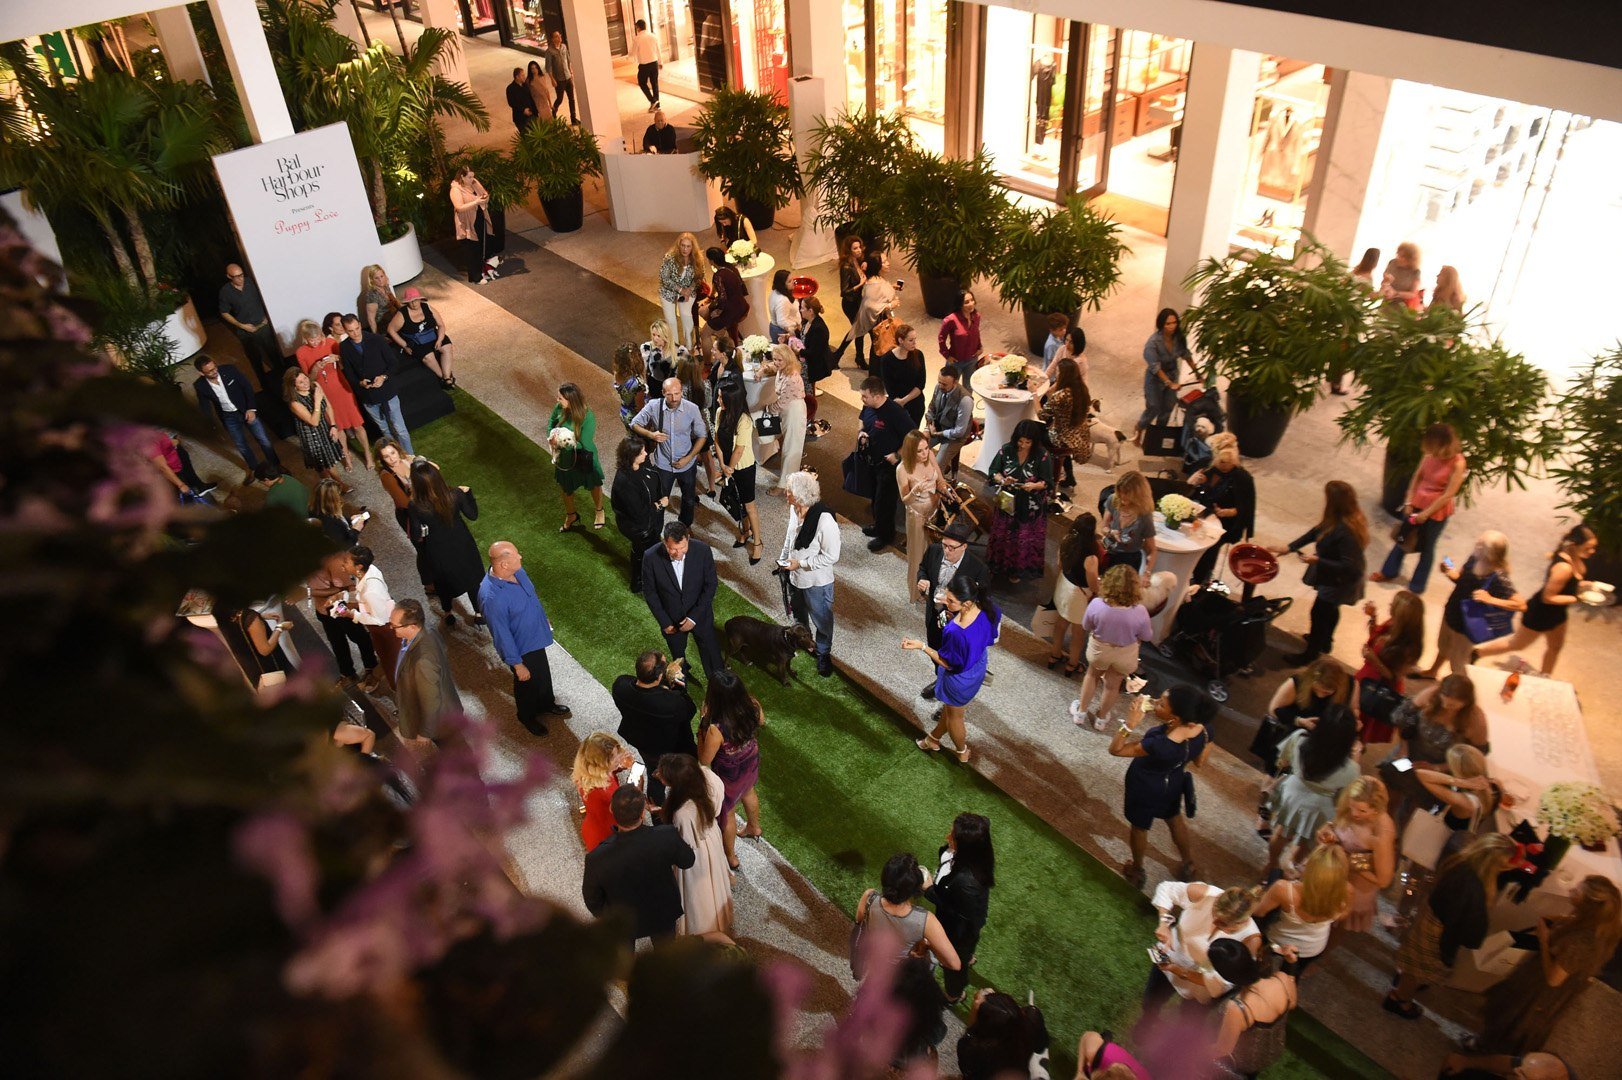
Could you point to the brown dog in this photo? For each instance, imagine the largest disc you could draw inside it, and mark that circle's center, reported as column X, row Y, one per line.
column 767, row 646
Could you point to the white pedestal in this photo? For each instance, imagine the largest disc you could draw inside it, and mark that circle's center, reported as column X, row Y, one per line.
column 402, row 258
column 657, row 193
column 1177, row 552
column 758, row 278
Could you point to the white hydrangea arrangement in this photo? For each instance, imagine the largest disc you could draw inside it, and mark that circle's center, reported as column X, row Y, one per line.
column 742, row 253
column 1178, row 509
column 755, row 347
column 1014, row 373
column 1579, row 812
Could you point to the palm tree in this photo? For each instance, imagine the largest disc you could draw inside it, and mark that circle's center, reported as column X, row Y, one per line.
column 116, row 146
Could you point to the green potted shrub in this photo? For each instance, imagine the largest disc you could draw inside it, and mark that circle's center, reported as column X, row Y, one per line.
column 556, row 157
column 1274, row 328
column 947, row 214
column 1586, row 456
column 851, row 161
column 746, row 146
column 1419, row 369
column 1058, row 259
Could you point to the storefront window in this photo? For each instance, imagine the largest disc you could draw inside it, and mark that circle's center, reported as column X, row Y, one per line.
column 766, row 58
column 528, row 24
column 897, row 49
column 1286, row 126
column 1025, row 96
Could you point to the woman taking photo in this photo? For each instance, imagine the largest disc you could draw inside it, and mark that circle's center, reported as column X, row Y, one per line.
column 1254, row 1012
column 317, row 356
column 692, row 796
column 1483, row 579
column 1066, row 409
column 1428, row 504
column 735, row 441
column 902, row 369
column 596, row 765
column 959, row 338
column 961, row 660
column 1116, row 622
column 1335, row 569
column 1368, row 836
column 962, row 893
column 1081, row 557
column 319, row 438
column 377, row 300
column 852, row 277
column 726, row 743
column 639, row 508
column 783, row 309
column 1522, row 1011
column 416, row 332
column 791, row 397
column 892, row 911
column 1157, row 781
column 1228, row 492
column 1023, row 472
column 1454, row 917
column 819, row 362
column 1307, row 909
column 679, row 277
column 436, row 516
column 1547, row 609
column 1389, row 656
column 1163, row 355
column 571, row 413
column 918, row 477
column 1129, row 525
column 1316, row 763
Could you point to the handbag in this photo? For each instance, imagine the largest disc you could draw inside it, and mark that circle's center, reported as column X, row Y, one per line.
column 854, row 948
column 884, row 334
column 1425, row 838
column 1406, row 536
column 1265, row 743
column 567, row 458
column 1006, row 501
column 1485, row 622
column 859, row 477
column 1377, row 700
column 731, row 501
column 768, row 425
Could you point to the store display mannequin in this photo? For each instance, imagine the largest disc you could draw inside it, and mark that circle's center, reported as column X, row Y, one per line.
column 1043, row 74
column 1281, row 150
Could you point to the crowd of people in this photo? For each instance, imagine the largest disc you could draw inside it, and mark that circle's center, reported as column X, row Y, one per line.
column 1353, row 755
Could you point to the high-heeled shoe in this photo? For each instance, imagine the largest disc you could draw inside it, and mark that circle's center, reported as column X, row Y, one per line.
column 928, row 745
column 1054, row 661
column 760, row 550
column 962, row 754
column 570, row 521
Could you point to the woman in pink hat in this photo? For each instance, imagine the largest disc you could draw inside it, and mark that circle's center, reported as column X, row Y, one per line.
column 421, row 336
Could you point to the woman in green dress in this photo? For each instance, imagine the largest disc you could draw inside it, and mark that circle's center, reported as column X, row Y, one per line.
column 577, row 466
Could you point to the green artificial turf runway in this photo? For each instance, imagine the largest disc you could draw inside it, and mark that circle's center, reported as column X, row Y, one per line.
column 842, row 787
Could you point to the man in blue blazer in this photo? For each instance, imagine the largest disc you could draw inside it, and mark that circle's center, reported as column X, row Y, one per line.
column 224, row 394
column 678, row 582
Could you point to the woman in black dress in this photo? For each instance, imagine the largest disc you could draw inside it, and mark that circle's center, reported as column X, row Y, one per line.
column 258, row 645
column 1158, row 787
column 815, row 356
column 1228, row 491
column 436, row 514
column 1547, row 609
column 417, row 332
column 852, row 278
column 1335, row 569
column 962, row 893
column 639, row 509
column 902, row 370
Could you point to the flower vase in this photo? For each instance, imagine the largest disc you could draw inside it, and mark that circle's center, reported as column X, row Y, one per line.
column 1554, row 849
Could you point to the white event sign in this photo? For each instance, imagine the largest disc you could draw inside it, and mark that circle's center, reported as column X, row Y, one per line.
column 301, row 213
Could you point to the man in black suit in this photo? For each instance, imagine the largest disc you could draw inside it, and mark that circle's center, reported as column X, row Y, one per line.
column 656, row 715
column 225, row 394
column 942, row 561
column 678, row 581
column 631, row 869
column 371, row 365
column 884, row 424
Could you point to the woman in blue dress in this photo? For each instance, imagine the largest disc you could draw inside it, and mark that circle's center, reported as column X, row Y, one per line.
column 1158, row 785
column 969, row 633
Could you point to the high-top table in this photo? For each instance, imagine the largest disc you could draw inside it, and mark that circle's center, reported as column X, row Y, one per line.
column 1005, row 406
column 758, row 277
column 1178, row 551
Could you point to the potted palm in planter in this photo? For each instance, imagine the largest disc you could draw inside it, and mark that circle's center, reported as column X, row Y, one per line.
column 557, row 157
column 947, row 213
column 1419, row 369
column 1059, row 259
column 851, row 161
column 1274, row 328
column 746, row 146
column 1586, row 456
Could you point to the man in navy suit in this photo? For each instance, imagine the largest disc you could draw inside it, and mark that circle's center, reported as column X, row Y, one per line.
column 678, row 581
column 224, row 393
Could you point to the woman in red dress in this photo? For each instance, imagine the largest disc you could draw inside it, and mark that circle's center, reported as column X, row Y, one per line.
column 317, row 356
column 1391, row 655
column 596, row 764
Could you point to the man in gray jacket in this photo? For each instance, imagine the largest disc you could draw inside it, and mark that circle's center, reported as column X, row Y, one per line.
column 423, row 687
column 949, row 417
column 557, row 63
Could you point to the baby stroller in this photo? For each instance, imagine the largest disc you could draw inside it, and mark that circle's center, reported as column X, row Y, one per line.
column 1219, row 636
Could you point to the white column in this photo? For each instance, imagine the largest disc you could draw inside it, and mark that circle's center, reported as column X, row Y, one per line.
column 243, row 37
column 178, row 41
column 816, row 30
column 442, row 14
column 585, row 31
column 1210, row 162
column 1346, row 155
column 809, row 99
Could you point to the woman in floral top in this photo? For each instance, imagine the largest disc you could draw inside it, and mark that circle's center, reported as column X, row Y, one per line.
column 679, row 278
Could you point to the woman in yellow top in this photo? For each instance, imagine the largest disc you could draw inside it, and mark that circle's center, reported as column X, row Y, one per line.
column 735, row 439
column 579, row 468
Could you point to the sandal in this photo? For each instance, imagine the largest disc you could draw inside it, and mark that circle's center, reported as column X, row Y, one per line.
column 962, row 755
column 569, row 522
column 1053, row 661
column 1070, row 670
column 928, row 745
column 756, row 835
column 599, row 521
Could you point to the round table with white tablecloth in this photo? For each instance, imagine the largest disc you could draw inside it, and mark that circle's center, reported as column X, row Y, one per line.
column 1005, row 407
column 757, row 277
column 1178, row 551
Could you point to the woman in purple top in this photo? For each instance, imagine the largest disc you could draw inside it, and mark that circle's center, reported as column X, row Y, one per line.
column 726, row 743
column 966, row 637
column 1115, row 621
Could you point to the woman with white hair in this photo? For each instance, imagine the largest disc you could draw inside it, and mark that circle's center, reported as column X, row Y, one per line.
column 785, row 364
column 1229, row 493
column 810, row 550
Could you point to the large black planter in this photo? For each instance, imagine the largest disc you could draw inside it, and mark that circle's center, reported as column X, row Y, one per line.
column 567, row 213
column 1036, row 327
column 940, row 294
column 1259, row 430
column 760, row 215
column 1395, row 473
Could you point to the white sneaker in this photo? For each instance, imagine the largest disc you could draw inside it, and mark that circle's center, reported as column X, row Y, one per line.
column 1101, row 723
column 1081, row 717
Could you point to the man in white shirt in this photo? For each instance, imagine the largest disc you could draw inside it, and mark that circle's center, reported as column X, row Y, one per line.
column 1192, row 915
column 646, row 47
column 372, row 609
column 810, row 550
